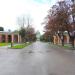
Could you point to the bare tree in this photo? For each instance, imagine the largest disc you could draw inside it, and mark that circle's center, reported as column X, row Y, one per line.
column 26, row 31
column 21, row 21
column 24, row 20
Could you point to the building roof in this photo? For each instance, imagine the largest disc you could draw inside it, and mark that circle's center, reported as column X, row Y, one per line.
column 3, row 32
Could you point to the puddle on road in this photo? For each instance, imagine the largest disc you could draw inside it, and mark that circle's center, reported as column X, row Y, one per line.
column 30, row 52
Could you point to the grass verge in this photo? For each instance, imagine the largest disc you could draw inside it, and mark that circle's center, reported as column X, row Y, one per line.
column 20, row 46
column 66, row 46
column 4, row 44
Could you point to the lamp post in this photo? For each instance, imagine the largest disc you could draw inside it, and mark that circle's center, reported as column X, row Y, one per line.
column 49, row 38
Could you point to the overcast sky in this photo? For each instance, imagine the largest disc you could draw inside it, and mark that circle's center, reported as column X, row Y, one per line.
column 11, row 9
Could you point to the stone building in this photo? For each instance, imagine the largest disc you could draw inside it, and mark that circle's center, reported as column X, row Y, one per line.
column 10, row 37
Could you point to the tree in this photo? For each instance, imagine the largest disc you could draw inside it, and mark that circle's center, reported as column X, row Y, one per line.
column 27, row 33
column 22, row 32
column 21, row 21
column 30, row 34
column 1, row 29
column 57, row 20
column 24, row 20
column 62, row 19
column 72, row 30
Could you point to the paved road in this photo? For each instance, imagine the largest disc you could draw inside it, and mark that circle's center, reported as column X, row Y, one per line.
column 37, row 59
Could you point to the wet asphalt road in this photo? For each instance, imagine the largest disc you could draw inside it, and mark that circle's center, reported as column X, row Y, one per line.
column 37, row 59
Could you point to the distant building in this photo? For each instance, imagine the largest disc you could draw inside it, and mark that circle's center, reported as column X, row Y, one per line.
column 38, row 35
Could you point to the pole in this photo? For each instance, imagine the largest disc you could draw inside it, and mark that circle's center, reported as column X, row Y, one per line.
column 49, row 38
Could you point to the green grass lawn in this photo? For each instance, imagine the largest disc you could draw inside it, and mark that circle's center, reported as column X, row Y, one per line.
column 4, row 44
column 66, row 46
column 20, row 46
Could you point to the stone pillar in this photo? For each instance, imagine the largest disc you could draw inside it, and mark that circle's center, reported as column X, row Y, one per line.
column 18, row 38
column 6, row 38
column 67, row 39
column 54, row 39
column 12, row 38
column 0, row 37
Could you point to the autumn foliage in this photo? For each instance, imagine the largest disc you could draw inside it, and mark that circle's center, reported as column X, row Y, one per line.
column 61, row 17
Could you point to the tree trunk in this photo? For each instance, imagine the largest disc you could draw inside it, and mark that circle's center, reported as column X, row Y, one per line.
column 72, row 42
column 72, row 39
column 63, row 41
